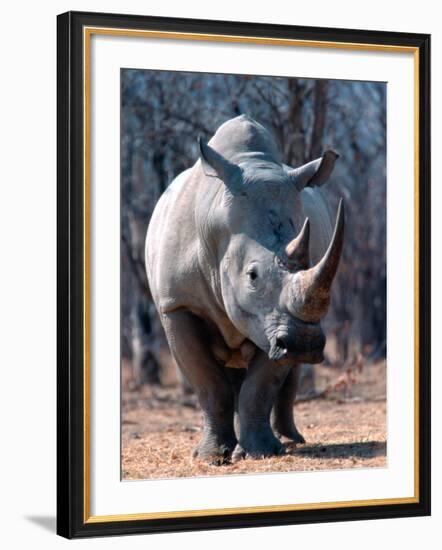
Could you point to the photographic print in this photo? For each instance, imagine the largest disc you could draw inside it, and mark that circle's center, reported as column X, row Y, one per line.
column 253, row 274
column 243, row 274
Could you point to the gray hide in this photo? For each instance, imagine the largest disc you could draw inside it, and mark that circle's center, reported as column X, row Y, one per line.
column 241, row 280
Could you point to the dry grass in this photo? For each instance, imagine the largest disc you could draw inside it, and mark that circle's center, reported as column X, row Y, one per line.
column 345, row 430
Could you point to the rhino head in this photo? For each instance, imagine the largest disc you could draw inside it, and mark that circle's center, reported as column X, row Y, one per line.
column 270, row 290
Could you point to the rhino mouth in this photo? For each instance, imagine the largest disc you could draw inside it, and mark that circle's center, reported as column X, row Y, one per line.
column 303, row 346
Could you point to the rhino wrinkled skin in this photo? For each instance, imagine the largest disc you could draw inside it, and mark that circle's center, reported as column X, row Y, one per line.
column 241, row 287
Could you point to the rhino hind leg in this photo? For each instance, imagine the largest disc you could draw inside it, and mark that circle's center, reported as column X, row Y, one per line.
column 256, row 398
column 188, row 342
column 236, row 378
column 283, row 422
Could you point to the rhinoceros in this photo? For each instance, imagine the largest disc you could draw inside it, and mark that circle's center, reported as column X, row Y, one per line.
column 241, row 287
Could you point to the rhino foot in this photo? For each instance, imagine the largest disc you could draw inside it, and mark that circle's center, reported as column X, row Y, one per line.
column 214, row 453
column 258, row 445
column 292, row 434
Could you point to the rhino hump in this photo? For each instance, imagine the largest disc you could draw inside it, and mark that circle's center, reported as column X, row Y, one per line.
column 243, row 137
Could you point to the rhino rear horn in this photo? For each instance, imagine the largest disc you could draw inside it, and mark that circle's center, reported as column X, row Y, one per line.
column 297, row 251
column 215, row 165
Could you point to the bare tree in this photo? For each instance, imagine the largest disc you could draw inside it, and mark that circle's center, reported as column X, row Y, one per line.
column 162, row 115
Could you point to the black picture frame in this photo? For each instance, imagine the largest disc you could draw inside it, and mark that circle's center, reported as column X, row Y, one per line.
column 72, row 521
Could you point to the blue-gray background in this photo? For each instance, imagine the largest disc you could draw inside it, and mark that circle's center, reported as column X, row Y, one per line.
column 162, row 114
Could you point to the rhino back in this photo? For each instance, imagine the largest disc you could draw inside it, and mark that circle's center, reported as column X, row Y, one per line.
column 174, row 269
column 170, row 243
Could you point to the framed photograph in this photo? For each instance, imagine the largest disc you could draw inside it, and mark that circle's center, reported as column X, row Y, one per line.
column 243, row 274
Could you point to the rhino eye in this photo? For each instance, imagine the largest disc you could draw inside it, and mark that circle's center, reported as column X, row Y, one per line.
column 252, row 274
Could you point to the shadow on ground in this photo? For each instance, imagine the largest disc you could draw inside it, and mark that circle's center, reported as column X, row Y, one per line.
column 365, row 449
column 49, row 523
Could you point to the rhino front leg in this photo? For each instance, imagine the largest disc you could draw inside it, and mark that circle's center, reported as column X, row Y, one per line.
column 189, row 344
column 283, row 422
column 256, row 399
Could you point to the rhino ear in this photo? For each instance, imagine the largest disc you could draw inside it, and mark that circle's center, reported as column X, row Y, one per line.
column 215, row 165
column 314, row 173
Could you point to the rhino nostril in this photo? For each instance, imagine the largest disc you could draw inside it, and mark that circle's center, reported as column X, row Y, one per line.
column 278, row 349
column 281, row 345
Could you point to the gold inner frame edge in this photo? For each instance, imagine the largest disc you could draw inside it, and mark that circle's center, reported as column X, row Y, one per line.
column 87, row 33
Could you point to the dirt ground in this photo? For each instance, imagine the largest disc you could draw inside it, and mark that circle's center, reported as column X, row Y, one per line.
column 344, row 425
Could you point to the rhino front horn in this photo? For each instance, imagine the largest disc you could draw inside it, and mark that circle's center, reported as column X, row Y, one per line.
column 310, row 292
column 323, row 272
